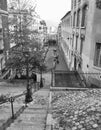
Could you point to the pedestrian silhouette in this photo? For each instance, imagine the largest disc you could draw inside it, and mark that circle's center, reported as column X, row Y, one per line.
column 34, row 77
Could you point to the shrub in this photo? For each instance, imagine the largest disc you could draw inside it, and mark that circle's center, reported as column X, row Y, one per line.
column 3, row 98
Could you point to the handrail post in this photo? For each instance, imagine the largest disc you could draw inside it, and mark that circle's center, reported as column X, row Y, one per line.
column 12, row 100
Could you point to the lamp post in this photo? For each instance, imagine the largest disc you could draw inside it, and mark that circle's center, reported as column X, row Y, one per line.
column 41, row 81
column 28, row 97
column 42, row 69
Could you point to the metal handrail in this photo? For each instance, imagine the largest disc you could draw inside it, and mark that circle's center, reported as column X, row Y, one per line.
column 13, row 98
column 85, row 77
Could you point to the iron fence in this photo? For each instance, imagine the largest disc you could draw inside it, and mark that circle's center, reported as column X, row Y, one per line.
column 12, row 99
column 91, row 79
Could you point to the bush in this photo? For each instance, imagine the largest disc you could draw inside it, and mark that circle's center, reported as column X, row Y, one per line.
column 3, row 98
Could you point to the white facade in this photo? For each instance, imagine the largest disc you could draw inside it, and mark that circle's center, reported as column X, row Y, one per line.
column 86, row 37
column 66, row 43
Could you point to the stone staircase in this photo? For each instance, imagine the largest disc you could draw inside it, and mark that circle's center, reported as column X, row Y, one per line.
column 69, row 79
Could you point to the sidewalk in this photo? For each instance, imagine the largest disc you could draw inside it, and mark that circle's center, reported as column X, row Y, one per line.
column 62, row 66
column 35, row 115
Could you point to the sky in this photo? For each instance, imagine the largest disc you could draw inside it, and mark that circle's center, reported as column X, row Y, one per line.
column 52, row 10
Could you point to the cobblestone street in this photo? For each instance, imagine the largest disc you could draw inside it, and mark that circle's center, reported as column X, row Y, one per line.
column 77, row 110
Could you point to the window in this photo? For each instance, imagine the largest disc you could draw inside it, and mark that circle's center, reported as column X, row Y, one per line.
column 84, row 16
column 72, row 40
column 81, row 46
column 40, row 28
column 74, row 19
column 74, row 2
column 76, row 42
column 0, row 30
column 79, row 0
column 71, row 21
column 78, row 18
column 97, row 61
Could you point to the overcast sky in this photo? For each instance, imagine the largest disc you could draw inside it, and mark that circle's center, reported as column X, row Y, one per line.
column 53, row 10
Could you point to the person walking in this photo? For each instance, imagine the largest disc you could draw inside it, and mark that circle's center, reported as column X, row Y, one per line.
column 34, row 77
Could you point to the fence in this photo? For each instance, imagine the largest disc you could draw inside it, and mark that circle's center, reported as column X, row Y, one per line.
column 12, row 100
column 91, row 79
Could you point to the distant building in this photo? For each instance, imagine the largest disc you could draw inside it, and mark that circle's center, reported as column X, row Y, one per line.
column 41, row 29
column 86, row 36
column 64, row 37
column 21, row 16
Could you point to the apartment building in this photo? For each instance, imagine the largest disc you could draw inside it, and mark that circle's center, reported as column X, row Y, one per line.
column 66, row 38
column 41, row 28
column 4, row 42
column 86, row 39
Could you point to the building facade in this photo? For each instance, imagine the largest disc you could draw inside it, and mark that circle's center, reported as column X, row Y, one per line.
column 64, row 38
column 41, row 28
column 86, row 39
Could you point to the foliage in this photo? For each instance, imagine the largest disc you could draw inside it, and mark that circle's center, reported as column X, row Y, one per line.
column 21, row 18
column 22, row 35
column 3, row 98
column 18, row 61
column 98, row 4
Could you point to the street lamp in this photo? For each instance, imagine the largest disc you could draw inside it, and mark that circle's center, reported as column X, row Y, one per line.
column 41, row 81
column 28, row 97
column 42, row 68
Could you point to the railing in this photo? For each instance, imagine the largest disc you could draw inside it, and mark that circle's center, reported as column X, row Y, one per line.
column 11, row 118
column 91, row 79
column 13, row 98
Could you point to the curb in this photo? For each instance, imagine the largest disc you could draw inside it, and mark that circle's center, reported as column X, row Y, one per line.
column 49, row 115
column 49, row 122
column 67, row 89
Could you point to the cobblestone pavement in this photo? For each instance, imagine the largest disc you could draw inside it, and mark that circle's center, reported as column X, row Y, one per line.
column 77, row 110
column 34, row 116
